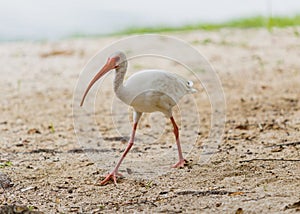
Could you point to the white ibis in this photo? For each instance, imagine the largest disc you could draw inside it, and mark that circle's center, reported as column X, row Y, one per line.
column 145, row 91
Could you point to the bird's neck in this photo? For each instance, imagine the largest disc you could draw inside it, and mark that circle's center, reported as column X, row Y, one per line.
column 119, row 78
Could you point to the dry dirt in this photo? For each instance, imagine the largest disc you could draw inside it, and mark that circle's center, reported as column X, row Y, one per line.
column 256, row 168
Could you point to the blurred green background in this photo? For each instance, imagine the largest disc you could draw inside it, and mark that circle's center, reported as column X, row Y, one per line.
column 52, row 20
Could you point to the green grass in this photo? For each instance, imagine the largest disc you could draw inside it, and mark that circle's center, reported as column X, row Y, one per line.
column 251, row 22
column 5, row 164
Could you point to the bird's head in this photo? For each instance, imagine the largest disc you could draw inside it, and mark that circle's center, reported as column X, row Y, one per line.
column 115, row 61
column 120, row 59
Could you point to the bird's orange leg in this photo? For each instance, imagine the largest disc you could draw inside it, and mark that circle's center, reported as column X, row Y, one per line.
column 113, row 175
column 181, row 161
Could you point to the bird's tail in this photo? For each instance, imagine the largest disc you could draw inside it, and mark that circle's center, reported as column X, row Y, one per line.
column 190, row 87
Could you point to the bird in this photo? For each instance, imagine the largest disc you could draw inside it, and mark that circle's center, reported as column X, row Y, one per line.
column 146, row 91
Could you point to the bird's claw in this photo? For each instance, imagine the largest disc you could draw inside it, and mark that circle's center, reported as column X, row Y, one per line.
column 113, row 175
column 180, row 164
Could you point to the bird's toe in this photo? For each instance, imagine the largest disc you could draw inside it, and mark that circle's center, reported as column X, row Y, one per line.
column 180, row 164
column 111, row 176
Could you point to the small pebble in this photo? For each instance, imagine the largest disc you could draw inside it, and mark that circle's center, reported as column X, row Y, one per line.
column 5, row 181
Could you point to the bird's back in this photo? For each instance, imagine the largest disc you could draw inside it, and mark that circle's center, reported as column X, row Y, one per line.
column 155, row 90
column 159, row 80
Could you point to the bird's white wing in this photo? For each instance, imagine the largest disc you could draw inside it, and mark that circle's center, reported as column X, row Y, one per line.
column 168, row 83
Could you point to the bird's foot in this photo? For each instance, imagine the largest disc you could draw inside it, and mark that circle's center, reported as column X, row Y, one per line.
column 113, row 175
column 181, row 163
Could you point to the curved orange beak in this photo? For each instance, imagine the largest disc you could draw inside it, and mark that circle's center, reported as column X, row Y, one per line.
column 110, row 64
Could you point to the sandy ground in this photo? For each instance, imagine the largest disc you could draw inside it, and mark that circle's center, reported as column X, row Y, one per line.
column 256, row 168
